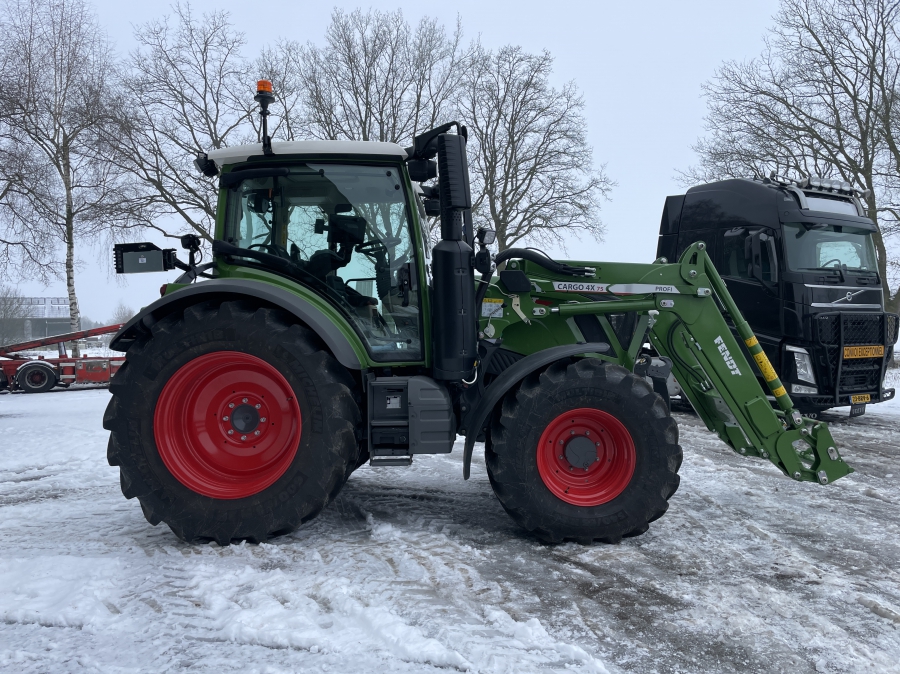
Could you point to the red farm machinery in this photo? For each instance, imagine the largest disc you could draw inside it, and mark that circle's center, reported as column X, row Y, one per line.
column 37, row 374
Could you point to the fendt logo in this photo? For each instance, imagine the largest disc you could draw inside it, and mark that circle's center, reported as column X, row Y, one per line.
column 726, row 355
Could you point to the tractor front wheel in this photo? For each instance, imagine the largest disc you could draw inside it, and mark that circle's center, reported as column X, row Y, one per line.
column 584, row 451
column 231, row 423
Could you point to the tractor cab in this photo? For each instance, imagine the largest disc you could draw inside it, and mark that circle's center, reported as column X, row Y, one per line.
column 315, row 214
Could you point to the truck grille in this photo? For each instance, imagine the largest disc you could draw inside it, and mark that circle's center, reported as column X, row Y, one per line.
column 859, row 328
column 837, row 330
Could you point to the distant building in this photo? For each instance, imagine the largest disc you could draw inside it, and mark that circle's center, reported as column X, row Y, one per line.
column 46, row 316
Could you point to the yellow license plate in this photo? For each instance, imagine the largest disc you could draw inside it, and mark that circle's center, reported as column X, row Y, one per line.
column 863, row 351
column 864, row 398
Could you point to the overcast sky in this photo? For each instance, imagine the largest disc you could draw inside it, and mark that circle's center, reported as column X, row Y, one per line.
column 640, row 66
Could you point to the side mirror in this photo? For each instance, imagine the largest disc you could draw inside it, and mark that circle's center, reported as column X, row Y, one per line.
column 761, row 255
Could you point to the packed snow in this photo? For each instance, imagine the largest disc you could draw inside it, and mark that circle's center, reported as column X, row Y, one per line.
column 416, row 570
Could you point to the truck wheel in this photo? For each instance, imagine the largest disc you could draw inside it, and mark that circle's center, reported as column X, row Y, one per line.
column 36, row 378
column 584, row 451
column 230, row 423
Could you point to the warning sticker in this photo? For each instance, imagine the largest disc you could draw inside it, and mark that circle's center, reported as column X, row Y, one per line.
column 578, row 287
column 492, row 308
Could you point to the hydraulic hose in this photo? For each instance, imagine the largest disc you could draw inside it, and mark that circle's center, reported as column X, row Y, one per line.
column 541, row 259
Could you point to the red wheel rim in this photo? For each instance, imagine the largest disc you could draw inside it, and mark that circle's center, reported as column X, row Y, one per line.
column 36, row 378
column 227, row 425
column 586, row 457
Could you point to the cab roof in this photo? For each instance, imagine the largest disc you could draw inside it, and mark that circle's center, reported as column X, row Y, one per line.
column 240, row 153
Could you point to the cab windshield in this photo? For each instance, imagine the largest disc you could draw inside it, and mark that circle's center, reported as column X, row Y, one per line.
column 343, row 230
column 822, row 247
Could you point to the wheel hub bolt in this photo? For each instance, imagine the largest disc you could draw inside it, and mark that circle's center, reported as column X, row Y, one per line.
column 230, row 432
column 225, row 418
column 243, row 400
column 262, row 418
column 243, row 437
column 231, row 405
column 258, row 406
column 255, row 432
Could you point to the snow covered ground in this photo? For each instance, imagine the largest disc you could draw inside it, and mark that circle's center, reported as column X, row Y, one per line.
column 415, row 570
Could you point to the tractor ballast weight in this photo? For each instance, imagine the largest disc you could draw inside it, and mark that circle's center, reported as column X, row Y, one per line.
column 321, row 342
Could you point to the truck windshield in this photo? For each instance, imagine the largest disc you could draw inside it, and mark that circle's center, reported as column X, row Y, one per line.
column 344, row 230
column 822, row 246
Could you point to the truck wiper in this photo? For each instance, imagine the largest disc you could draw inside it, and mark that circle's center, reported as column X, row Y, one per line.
column 835, row 270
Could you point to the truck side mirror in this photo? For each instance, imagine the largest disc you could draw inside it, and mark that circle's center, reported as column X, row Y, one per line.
column 762, row 259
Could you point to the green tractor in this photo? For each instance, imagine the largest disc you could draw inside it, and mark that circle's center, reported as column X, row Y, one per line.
column 326, row 334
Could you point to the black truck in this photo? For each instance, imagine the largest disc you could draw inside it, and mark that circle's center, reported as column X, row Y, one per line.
column 799, row 261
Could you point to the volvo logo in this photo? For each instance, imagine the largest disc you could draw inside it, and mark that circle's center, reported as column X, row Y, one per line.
column 849, row 296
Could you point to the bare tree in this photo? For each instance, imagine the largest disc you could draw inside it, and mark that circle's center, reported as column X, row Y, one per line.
column 13, row 312
column 122, row 314
column 57, row 67
column 188, row 90
column 25, row 247
column 376, row 78
column 822, row 99
column 533, row 172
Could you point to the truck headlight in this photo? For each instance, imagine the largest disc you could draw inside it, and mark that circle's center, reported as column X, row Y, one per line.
column 800, row 388
column 802, row 364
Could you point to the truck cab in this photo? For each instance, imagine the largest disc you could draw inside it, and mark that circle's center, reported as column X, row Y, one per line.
column 799, row 261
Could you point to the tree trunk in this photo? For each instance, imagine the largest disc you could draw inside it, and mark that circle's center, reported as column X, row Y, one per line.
column 74, row 313
column 891, row 304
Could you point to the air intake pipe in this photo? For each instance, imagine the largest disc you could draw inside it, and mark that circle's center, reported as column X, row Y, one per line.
column 454, row 321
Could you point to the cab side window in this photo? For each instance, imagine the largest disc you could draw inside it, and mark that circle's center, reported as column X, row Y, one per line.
column 345, row 230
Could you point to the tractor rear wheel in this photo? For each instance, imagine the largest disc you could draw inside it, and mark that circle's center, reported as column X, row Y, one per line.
column 584, row 451
column 229, row 423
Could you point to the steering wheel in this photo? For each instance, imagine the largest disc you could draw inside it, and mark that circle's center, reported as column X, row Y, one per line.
column 369, row 247
column 833, row 260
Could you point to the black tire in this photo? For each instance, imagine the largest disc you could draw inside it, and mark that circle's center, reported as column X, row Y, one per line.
column 324, row 391
column 542, row 399
column 36, row 378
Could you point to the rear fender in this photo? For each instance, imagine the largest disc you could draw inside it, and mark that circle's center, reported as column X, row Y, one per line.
column 347, row 353
column 476, row 422
column 39, row 363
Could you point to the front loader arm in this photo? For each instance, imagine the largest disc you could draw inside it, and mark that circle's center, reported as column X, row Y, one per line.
column 687, row 326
